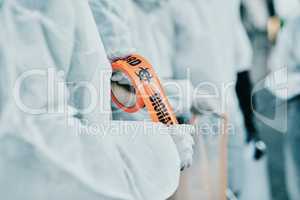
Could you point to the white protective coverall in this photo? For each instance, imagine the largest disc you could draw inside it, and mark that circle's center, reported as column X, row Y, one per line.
column 211, row 47
column 129, row 28
column 179, row 31
column 46, row 153
column 285, row 67
column 258, row 13
column 286, row 55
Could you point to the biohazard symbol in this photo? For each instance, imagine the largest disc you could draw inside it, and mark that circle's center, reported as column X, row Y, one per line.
column 144, row 74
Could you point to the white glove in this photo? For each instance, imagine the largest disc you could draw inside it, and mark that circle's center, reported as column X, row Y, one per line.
column 180, row 95
column 122, row 88
column 182, row 137
column 120, row 78
column 204, row 102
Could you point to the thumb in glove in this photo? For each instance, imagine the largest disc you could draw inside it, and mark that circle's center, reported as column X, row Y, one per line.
column 184, row 143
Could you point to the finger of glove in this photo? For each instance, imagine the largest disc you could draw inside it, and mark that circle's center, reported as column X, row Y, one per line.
column 186, row 160
column 120, row 78
column 116, row 76
column 185, row 149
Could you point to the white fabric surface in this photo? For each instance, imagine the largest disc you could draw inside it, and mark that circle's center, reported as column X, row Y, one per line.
column 53, row 155
column 284, row 62
column 287, row 9
column 40, row 155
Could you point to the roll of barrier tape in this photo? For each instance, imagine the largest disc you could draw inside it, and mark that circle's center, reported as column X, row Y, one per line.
column 148, row 90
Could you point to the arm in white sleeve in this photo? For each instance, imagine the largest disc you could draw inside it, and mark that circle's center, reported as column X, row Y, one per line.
column 243, row 48
column 258, row 13
column 90, row 71
column 112, row 19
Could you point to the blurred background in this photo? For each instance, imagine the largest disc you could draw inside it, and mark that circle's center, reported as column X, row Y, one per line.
column 264, row 20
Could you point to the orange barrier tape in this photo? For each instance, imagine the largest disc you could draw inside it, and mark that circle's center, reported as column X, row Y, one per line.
column 149, row 92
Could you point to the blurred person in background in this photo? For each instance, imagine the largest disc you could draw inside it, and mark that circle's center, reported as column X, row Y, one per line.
column 210, row 50
column 255, row 16
column 179, row 29
column 279, row 13
column 285, row 65
column 262, row 23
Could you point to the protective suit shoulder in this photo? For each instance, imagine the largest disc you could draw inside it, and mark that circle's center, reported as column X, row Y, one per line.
column 89, row 64
column 112, row 19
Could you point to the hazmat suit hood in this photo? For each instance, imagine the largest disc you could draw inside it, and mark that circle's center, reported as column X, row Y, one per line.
column 150, row 5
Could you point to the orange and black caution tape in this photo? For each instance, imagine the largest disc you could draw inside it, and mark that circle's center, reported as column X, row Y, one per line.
column 148, row 89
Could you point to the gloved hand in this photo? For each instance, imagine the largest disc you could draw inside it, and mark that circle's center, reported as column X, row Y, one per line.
column 180, row 95
column 184, row 142
column 204, row 102
column 122, row 88
column 120, row 78
column 179, row 92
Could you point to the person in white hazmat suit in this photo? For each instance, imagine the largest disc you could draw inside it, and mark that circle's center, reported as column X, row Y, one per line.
column 45, row 152
column 131, row 28
column 178, row 30
column 128, row 29
column 210, row 50
column 284, row 64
